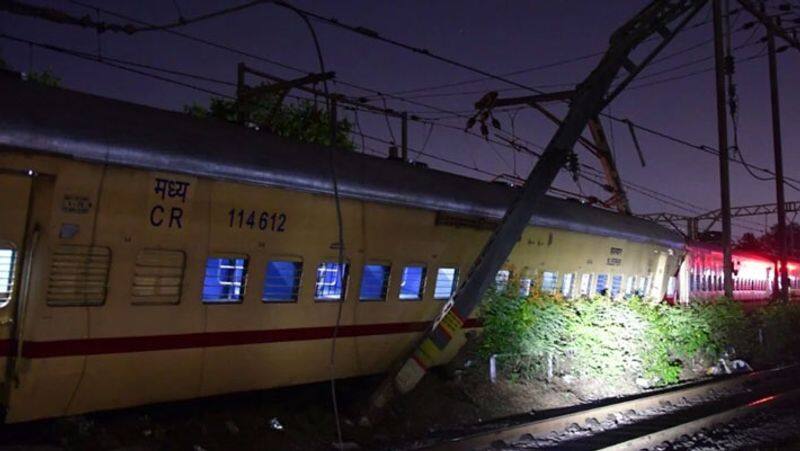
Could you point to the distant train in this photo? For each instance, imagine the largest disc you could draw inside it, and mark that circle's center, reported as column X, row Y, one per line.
column 755, row 275
column 149, row 256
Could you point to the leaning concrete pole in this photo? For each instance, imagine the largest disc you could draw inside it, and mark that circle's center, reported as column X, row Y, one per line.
column 587, row 102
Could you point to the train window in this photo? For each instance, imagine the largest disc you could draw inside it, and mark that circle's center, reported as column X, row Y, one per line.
column 7, row 259
column 374, row 282
column 525, row 287
column 225, row 279
column 446, row 279
column 629, row 285
column 566, row 284
column 616, row 286
column 412, row 283
column 501, row 279
column 331, row 280
column 602, row 281
column 78, row 275
column 158, row 276
column 282, row 281
column 549, row 281
column 640, row 287
column 586, row 283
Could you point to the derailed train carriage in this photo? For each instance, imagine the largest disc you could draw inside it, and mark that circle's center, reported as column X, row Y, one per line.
column 149, row 256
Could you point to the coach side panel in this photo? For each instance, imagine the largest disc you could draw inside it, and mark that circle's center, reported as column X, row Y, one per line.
column 146, row 239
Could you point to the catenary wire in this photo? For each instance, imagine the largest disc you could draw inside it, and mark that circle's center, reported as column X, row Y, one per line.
column 646, row 129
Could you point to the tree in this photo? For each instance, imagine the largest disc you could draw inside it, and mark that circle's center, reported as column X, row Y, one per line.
column 45, row 77
column 302, row 121
column 768, row 242
column 749, row 242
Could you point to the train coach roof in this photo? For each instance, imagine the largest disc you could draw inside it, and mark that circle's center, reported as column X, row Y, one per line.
column 91, row 128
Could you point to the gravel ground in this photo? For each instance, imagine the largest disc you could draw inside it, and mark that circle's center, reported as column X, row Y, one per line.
column 572, row 436
column 774, row 429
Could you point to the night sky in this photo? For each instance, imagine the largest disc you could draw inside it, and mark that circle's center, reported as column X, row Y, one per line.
column 498, row 36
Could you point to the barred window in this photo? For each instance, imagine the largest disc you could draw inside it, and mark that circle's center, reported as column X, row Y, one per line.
column 412, row 283
column 446, row 280
column 640, row 287
column 78, row 275
column 7, row 261
column 282, row 281
column 501, row 279
column 331, row 280
column 525, row 285
column 586, row 283
column 374, row 282
column 602, row 280
column 158, row 276
column 629, row 285
column 224, row 279
column 549, row 282
column 566, row 284
column 616, row 286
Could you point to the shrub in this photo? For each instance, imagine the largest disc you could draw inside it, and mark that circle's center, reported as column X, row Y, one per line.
column 776, row 333
column 606, row 339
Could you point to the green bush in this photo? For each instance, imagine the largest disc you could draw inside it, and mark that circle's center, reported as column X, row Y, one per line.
column 611, row 339
column 776, row 333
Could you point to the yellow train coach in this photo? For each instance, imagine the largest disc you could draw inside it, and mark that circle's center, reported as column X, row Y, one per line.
column 148, row 256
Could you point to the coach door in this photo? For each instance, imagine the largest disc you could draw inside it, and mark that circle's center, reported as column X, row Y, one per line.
column 658, row 281
column 15, row 190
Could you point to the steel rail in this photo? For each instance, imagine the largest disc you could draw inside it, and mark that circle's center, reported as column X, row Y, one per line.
column 557, row 424
column 673, row 433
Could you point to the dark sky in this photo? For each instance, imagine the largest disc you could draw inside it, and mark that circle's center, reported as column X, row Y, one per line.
column 498, row 36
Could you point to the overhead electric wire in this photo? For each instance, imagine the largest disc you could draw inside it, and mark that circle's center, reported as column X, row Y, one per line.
column 688, row 74
column 655, row 61
column 98, row 59
column 193, row 38
column 655, row 195
column 61, row 17
column 566, row 85
column 113, row 62
column 534, row 68
column 641, row 190
column 373, row 35
column 376, row 36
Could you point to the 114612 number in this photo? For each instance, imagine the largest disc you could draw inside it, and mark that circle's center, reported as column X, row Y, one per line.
column 275, row 222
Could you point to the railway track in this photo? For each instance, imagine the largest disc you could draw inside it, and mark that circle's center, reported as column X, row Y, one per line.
column 642, row 422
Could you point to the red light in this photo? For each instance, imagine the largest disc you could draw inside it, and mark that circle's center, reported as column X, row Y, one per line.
column 762, row 401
